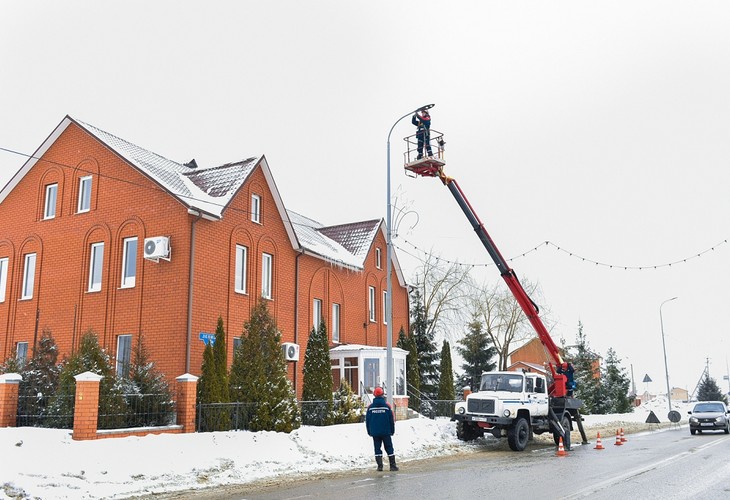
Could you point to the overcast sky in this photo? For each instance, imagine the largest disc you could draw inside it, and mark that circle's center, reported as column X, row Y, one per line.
column 601, row 127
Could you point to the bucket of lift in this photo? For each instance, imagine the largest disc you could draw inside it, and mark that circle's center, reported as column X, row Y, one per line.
column 427, row 165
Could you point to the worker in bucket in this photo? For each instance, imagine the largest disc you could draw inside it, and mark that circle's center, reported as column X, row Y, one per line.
column 422, row 120
column 380, row 424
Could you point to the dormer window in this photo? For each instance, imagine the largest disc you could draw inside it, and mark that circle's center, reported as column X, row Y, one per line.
column 256, row 208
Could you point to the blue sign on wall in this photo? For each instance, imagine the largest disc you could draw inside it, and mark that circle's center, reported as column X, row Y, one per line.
column 208, row 338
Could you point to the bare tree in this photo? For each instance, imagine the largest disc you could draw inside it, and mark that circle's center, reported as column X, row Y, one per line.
column 504, row 321
column 445, row 287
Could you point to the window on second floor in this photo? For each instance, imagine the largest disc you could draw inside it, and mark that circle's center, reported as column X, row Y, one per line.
column 49, row 211
column 371, row 303
column 21, row 353
column 241, row 268
column 256, row 208
column 28, row 276
column 3, row 277
column 267, row 271
column 124, row 355
column 317, row 313
column 84, row 194
column 129, row 262
column 378, row 261
column 335, row 323
column 96, row 266
column 385, row 308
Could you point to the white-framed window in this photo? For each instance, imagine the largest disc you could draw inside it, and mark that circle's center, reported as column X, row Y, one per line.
column 49, row 211
column 267, row 271
column 129, row 262
column 3, row 277
column 335, row 323
column 241, row 268
column 256, row 208
column 96, row 266
column 124, row 355
column 317, row 313
column 371, row 303
column 385, row 308
column 378, row 261
column 28, row 276
column 84, row 194
column 21, row 353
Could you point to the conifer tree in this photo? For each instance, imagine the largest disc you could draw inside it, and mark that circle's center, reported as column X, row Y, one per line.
column 477, row 351
column 428, row 356
column 587, row 374
column 413, row 378
column 40, row 376
column 317, row 384
column 446, row 380
column 349, row 408
column 615, row 386
column 92, row 358
column 710, row 391
column 151, row 385
column 262, row 378
column 220, row 356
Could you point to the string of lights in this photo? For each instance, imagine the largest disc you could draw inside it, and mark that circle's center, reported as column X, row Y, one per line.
column 558, row 248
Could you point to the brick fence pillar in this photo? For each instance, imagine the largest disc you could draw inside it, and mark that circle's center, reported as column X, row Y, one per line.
column 9, row 385
column 86, row 410
column 187, row 397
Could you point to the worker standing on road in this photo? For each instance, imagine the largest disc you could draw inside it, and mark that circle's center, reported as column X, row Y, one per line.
column 422, row 120
column 380, row 424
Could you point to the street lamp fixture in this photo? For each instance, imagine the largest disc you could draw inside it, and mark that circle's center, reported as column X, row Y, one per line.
column 388, row 257
column 664, row 348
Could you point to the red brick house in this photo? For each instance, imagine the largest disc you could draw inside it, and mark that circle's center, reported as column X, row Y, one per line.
column 99, row 233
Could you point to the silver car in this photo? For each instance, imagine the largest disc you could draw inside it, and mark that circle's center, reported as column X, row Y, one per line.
column 709, row 416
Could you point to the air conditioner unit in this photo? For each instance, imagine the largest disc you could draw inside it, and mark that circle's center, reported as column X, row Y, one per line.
column 291, row 351
column 156, row 248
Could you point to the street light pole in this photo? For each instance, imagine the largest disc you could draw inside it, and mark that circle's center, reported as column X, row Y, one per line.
column 388, row 257
column 664, row 347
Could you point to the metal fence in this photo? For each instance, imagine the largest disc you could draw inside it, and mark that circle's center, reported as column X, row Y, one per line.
column 46, row 411
column 240, row 416
column 135, row 410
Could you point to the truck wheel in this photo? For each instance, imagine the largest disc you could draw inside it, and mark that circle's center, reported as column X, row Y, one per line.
column 518, row 434
column 468, row 432
column 565, row 422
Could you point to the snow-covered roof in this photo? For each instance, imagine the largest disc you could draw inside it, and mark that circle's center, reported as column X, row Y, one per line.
column 209, row 190
column 345, row 245
column 361, row 347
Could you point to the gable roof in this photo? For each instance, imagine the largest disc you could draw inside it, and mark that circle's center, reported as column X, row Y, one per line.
column 208, row 191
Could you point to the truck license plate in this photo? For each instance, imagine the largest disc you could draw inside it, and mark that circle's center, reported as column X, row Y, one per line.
column 484, row 419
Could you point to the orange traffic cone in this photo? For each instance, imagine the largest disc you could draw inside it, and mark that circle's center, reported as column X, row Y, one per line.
column 599, row 445
column 623, row 439
column 561, row 449
column 618, row 439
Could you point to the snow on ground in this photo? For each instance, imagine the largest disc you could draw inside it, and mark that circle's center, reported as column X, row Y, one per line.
column 47, row 463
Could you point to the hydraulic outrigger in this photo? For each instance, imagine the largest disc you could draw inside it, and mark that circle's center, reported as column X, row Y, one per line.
column 560, row 390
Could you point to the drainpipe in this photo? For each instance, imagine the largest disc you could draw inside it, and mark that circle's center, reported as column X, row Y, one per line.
column 296, row 311
column 190, row 292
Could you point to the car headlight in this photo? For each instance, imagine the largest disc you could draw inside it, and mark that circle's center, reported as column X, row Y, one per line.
column 506, row 413
column 693, row 420
column 461, row 410
column 720, row 420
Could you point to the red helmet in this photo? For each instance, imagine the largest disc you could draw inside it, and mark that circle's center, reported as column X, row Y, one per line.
column 377, row 392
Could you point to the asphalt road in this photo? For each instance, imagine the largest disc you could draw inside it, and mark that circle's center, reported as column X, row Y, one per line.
column 656, row 465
